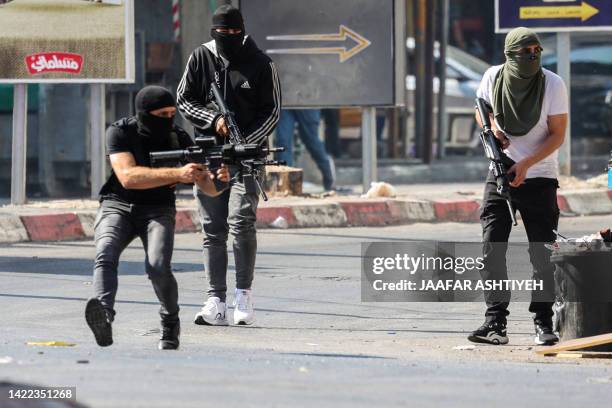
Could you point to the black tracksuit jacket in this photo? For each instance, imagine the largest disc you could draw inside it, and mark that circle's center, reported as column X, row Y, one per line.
column 250, row 86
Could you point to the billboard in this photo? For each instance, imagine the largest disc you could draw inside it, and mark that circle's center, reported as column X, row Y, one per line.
column 553, row 16
column 66, row 41
column 333, row 53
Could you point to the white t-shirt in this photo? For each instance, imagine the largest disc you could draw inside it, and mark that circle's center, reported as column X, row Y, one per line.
column 555, row 103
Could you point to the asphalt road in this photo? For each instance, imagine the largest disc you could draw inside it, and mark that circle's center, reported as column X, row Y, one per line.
column 314, row 343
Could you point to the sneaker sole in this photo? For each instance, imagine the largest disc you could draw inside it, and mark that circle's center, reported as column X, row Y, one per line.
column 199, row 320
column 495, row 340
column 243, row 322
column 168, row 345
column 95, row 315
column 539, row 342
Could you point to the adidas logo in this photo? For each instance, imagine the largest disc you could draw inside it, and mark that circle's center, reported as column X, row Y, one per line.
column 245, row 85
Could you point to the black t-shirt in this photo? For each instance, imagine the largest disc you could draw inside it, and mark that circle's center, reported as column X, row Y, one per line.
column 123, row 136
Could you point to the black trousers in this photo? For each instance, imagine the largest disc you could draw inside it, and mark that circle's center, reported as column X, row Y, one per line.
column 536, row 200
column 116, row 225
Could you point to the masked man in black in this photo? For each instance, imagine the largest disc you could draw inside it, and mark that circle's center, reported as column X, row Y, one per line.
column 138, row 200
column 249, row 83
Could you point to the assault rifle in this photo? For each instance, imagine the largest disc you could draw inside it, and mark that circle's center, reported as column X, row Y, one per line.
column 500, row 163
column 250, row 158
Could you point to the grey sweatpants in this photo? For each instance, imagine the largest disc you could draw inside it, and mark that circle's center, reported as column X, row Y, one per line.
column 116, row 225
column 235, row 212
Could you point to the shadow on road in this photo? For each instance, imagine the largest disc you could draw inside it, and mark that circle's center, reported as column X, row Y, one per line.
column 79, row 267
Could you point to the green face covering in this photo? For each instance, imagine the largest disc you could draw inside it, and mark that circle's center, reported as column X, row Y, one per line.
column 518, row 90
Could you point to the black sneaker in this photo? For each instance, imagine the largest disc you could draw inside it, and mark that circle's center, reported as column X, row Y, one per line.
column 170, row 336
column 99, row 323
column 544, row 333
column 491, row 333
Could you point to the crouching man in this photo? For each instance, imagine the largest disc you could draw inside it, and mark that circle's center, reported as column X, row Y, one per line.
column 139, row 201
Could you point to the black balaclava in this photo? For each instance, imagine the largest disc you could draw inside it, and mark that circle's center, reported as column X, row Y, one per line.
column 228, row 45
column 149, row 99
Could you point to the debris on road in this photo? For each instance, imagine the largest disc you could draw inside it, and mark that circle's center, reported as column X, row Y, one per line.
column 150, row 332
column 382, row 189
column 279, row 223
column 599, row 241
column 51, row 344
column 581, row 354
column 6, row 360
column 467, row 348
column 576, row 344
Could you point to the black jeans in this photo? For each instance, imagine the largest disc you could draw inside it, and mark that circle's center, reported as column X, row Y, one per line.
column 536, row 200
column 235, row 212
column 116, row 225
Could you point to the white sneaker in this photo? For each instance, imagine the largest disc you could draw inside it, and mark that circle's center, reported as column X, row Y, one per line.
column 243, row 307
column 212, row 313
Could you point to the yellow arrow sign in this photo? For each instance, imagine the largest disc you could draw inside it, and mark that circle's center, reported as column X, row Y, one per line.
column 343, row 53
column 583, row 12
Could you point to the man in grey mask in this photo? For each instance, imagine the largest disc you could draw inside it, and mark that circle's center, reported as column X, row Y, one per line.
column 530, row 114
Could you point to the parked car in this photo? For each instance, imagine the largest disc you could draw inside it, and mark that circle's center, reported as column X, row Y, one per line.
column 463, row 75
column 591, row 89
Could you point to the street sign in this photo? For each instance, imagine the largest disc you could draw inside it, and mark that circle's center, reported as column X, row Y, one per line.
column 553, row 16
column 332, row 53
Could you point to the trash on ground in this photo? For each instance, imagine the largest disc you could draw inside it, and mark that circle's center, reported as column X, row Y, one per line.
column 6, row 360
column 381, row 189
column 599, row 241
column 150, row 332
column 51, row 344
column 280, row 223
column 468, row 348
column 82, row 361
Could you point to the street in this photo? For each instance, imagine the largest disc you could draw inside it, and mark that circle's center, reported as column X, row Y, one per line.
column 314, row 343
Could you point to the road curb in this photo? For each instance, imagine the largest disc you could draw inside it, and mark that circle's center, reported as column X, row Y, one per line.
column 12, row 229
column 319, row 215
column 185, row 221
column 53, row 227
column 314, row 214
column 367, row 213
column 457, row 210
column 405, row 211
column 588, row 202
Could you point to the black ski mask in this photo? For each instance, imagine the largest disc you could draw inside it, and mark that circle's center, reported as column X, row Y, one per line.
column 149, row 99
column 228, row 45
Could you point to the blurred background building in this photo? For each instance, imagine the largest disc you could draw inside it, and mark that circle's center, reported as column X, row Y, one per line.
column 58, row 127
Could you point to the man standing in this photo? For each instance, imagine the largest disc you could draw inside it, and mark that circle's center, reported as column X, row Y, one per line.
column 250, row 86
column 530, row 107
column 138, row 200
column 307, row 121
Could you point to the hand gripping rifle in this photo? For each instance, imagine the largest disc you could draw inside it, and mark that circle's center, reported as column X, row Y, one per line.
column 500, row 163
column 250, row 158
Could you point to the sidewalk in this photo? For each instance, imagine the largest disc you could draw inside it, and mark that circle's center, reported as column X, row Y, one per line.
column 57, row 220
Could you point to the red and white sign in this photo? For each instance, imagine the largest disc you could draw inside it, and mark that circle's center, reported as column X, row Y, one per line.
column 54, row 62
